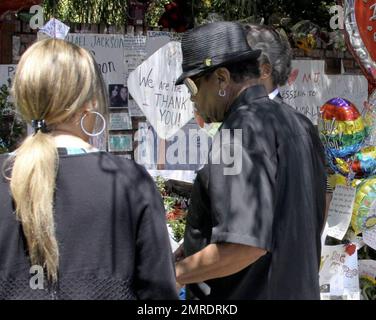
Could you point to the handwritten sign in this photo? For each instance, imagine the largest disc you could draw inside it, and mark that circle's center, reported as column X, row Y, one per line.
column 7, row 72
column 109, row 52
column 340, row 211
column 152, row 85
column 55, row 29
column 158, row 39
column 369, row 237
column 308, row 88
column 339, row 274
column 135, row 52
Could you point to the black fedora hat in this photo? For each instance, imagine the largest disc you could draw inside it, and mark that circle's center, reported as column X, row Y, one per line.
column 213, row 45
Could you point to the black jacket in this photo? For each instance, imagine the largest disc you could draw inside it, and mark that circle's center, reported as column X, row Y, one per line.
column 111, row 231
column 275, row 201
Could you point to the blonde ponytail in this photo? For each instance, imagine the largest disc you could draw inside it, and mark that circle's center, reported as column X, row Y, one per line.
column 32, row 186
column 54, row 80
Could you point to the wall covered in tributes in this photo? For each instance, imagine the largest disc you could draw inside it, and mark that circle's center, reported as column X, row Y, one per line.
column 315, row 79
column 318, row 75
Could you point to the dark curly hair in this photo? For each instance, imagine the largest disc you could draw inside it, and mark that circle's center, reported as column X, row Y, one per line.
column 276, row 50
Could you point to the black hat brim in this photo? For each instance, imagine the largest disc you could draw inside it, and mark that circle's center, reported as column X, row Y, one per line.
column 238, row 57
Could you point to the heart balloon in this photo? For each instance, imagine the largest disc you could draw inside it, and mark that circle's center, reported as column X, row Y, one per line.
column 360, row 26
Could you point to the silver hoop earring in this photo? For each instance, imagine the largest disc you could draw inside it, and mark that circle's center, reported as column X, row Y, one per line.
column 222, row 93
column 97, row 133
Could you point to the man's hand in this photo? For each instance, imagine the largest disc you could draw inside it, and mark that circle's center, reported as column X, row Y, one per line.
column 216, row 261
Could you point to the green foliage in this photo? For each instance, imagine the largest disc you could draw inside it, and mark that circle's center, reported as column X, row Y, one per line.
column 154, row 12
column 270, row 10
column 368, row 289
column 110, row 12
column 11, row 128
column 115, row 12
column 178, row 228
column 161, row 185
column 175, row 209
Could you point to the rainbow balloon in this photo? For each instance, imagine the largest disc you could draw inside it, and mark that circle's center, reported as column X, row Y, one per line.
column 363, row 163
column 341, row 128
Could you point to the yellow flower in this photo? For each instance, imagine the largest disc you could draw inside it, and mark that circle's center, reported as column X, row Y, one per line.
column 207, row 3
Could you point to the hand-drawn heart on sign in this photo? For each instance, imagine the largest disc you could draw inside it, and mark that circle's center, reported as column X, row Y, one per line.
column 293, row 75
column 152, row 85
column 360, row 26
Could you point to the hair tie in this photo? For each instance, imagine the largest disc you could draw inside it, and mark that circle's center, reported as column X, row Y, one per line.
column 39, row 125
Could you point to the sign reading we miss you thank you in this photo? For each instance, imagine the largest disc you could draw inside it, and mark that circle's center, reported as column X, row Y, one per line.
column 152, row 85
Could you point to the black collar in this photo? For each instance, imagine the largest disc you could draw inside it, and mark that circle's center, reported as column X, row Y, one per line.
column 246, row 97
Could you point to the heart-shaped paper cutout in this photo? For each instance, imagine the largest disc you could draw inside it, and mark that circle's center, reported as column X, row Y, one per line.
column 152, row 85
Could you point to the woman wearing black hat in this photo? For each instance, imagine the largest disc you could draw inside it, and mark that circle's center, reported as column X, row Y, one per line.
column 253, row 229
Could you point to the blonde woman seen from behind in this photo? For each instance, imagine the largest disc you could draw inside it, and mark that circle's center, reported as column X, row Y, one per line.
column 87, row 225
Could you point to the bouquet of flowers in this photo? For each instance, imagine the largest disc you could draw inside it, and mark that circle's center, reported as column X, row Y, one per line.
column 176, row 210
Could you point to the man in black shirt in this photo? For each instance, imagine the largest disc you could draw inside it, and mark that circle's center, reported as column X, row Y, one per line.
column 253, row 230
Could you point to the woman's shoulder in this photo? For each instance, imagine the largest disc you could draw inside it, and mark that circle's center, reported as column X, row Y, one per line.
column 120, row 165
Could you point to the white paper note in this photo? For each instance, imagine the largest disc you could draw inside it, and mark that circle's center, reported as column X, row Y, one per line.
column 369, row 238
column 340, row 211
column 339, row 273
column 55, row 29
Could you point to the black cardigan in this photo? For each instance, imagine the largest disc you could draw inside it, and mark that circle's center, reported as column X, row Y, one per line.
column 111, row 231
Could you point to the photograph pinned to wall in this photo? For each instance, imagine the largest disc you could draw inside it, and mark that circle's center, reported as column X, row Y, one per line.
column 120, row 121
column 118, row 94
column 134, row 109
column 120, row 142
